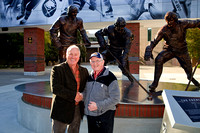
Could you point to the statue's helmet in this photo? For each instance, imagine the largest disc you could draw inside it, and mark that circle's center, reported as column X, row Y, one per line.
column 171, row 16
column 120, row 22
column 72, row 9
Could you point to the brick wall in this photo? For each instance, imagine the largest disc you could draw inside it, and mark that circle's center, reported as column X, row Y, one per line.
column 34, row 50
column 135, row 48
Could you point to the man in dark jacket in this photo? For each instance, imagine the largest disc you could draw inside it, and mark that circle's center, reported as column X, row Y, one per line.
column 67, row 80
column 120, row 39
column 64, row 31
column 174, row 34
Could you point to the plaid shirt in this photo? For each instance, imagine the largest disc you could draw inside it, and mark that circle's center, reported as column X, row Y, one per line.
column 77, row 77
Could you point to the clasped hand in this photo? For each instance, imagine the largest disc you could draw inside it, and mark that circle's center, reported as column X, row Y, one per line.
column 92, row 106
column 78, row 97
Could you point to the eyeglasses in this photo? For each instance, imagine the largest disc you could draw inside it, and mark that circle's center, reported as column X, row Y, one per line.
column 97, row 61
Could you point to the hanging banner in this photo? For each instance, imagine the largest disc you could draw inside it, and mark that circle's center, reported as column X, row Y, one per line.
column 44, row 12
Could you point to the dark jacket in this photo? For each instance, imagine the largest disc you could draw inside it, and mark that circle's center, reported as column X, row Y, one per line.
column 64, row 87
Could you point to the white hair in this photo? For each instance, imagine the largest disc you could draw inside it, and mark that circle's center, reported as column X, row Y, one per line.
column 71, row 47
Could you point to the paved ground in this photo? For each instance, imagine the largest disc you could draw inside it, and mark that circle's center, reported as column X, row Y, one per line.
column 9, row 78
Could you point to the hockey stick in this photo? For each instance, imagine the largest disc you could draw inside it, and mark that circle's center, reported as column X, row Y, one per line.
column 101, row 7
column 128, row 72
column 192, row 75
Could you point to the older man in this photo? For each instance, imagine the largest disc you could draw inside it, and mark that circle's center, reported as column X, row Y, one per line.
column 67, row 80
column 100, row 96
column 64, row 31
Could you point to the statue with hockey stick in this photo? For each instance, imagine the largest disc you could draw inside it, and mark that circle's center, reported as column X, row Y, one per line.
column 174, row 34
column 120, row 39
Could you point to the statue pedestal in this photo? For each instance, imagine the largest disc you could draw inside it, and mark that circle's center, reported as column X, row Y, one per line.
column 35, row 104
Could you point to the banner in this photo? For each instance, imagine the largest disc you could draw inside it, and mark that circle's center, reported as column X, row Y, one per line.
column 44, row 12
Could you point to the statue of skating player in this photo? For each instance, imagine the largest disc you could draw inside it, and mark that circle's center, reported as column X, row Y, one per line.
column 174, row 34
column 120, row 39
column 67, row 26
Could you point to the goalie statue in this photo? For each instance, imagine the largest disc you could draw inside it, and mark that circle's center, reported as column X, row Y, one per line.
column 174, row 34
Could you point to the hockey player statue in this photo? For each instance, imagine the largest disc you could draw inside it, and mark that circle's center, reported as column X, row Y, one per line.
column 67, row 26
column 120, row 39
column 174, row 34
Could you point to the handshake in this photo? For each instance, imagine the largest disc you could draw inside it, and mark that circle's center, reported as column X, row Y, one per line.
column 79, row 97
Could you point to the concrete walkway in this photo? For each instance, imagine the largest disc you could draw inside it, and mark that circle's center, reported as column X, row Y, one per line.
column 9, row 78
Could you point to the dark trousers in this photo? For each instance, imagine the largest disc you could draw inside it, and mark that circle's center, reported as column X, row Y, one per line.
column 183, row 59
column 101, row 124
column 59, row 127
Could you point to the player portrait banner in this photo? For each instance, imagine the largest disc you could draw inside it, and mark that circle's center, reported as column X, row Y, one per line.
column 44, row 12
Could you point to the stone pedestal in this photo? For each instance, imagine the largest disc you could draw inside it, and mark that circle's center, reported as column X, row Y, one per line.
column 34, row 62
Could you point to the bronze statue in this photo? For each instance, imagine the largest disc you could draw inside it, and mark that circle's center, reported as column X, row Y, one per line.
column 120, row 39
column 64, row 31
column 174, row 34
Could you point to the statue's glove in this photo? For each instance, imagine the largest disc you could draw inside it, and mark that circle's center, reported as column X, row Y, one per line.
column 148, row 54
column 59, row 45
column 103, row 45
column 87, row 44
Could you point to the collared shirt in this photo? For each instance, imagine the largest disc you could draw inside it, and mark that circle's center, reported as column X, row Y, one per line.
column 77, row 77
column 97, row 74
